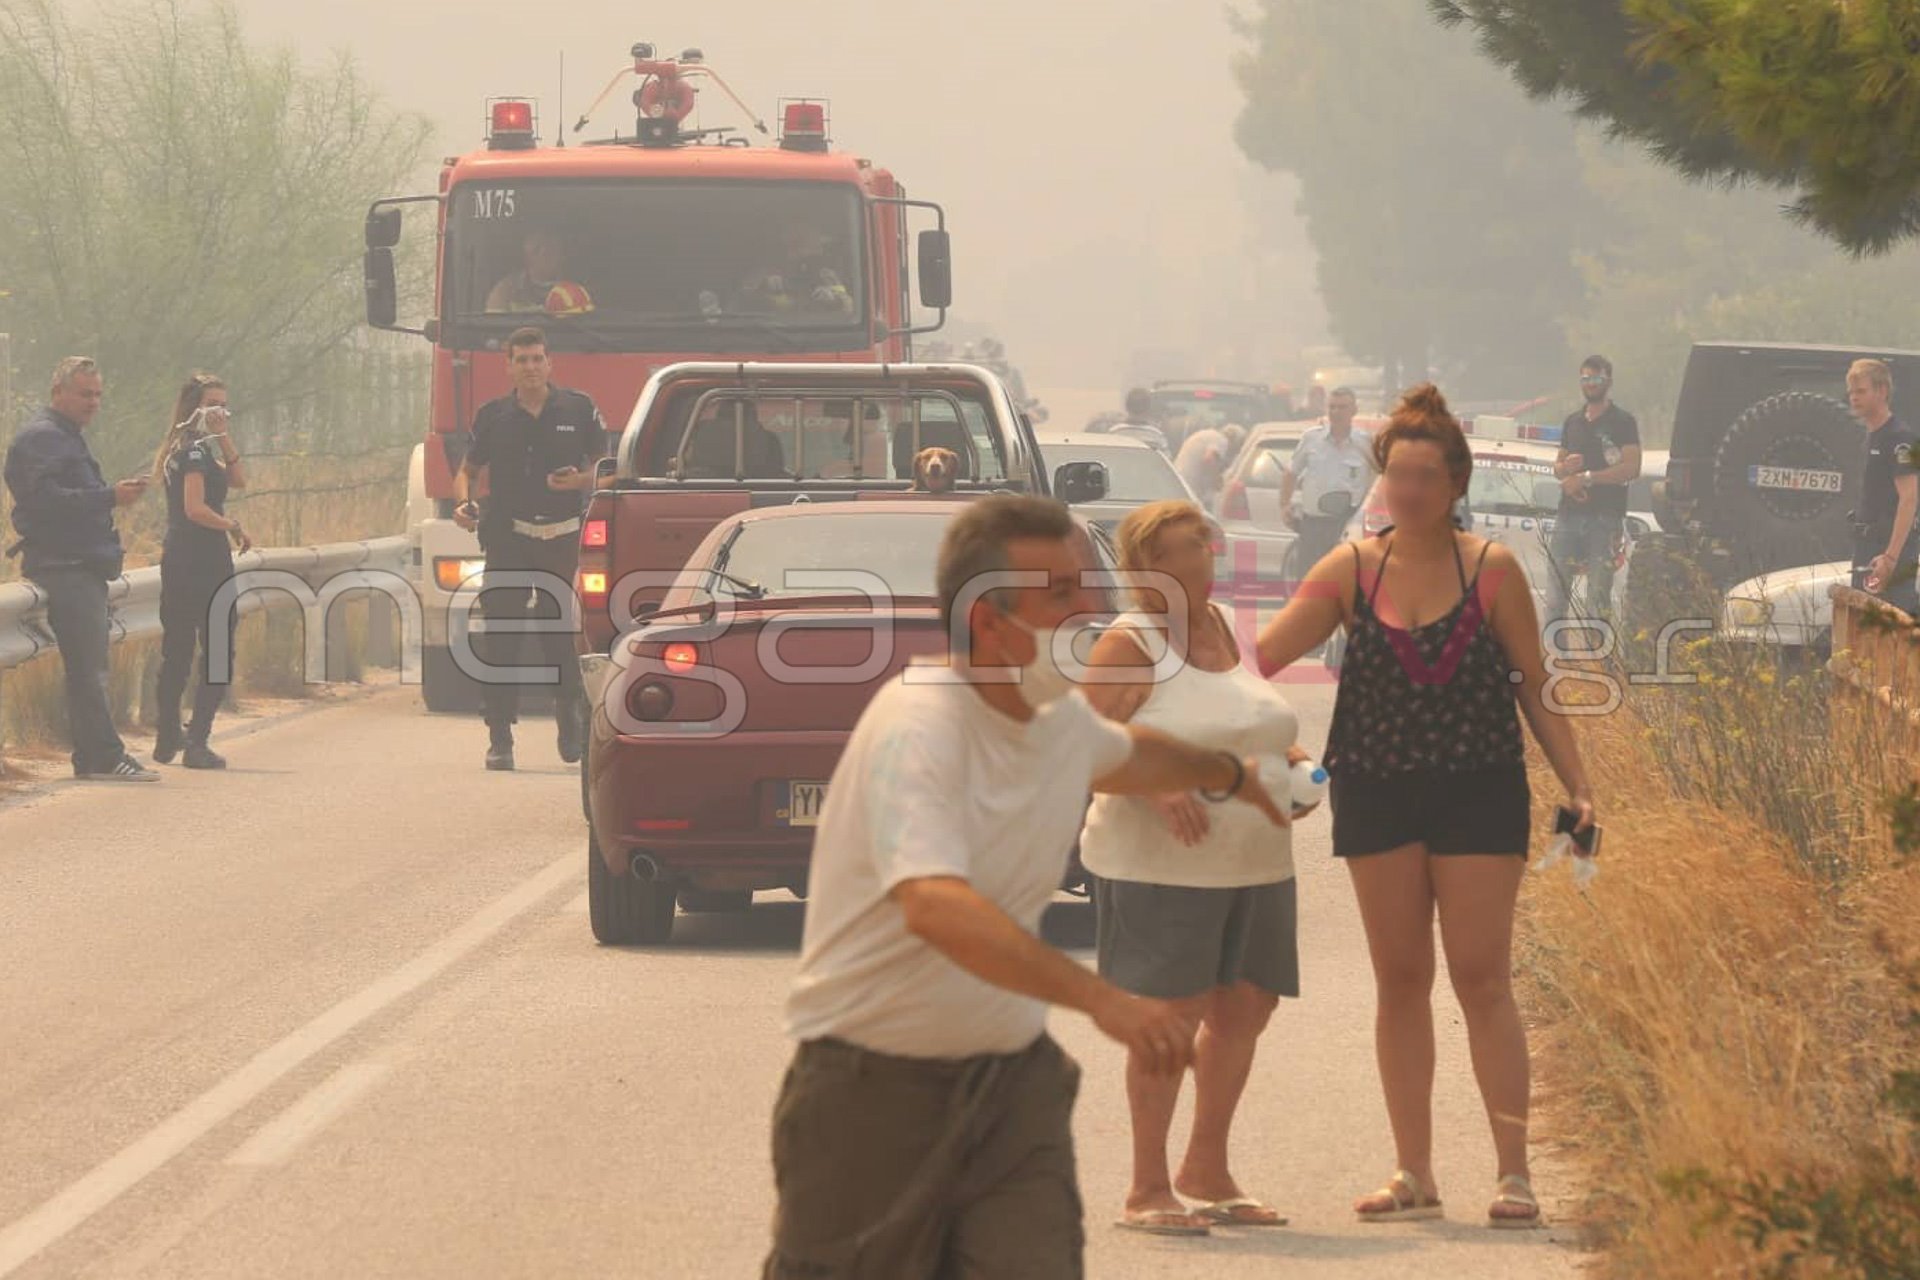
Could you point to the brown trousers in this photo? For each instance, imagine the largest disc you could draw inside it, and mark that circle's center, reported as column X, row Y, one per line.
column 926, row 1169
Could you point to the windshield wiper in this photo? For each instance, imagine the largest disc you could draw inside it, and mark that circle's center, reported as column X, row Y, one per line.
column 748, row 589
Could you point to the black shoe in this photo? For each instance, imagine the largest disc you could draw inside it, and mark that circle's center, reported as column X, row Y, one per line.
column 167, row 742
column 572, row 732
column 500, row 752
column 202, row 756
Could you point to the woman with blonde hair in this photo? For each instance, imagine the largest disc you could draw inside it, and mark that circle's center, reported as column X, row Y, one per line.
column 1431, row 802
column 198, row 464
column 1193, row 904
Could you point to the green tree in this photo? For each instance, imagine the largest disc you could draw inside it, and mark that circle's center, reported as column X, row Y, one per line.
column 173, row 197
column 1817, row 96
column 1445, row 210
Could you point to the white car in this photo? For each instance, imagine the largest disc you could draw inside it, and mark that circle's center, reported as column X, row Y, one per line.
column 1789, row 608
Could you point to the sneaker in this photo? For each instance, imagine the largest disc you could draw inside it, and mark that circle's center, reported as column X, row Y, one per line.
column 128, row 770
column 202, row 756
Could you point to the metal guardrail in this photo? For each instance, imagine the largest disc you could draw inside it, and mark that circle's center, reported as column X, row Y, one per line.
column 134, row 598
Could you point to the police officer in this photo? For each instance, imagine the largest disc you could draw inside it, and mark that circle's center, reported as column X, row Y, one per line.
column 198, row 463
column 1332, row 457
column 537, row 449
column 1883, row 542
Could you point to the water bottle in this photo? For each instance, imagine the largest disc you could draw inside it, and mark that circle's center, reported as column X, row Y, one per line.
column 1309, row 779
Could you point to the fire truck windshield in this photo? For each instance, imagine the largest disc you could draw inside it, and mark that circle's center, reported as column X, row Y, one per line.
column 660, row 265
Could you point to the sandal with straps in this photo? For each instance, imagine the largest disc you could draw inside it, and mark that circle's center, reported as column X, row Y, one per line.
column 1413, row 1206
column 1517, row 1191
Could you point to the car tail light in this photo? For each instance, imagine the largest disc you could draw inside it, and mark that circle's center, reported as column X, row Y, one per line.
column 593, row 588
column 1233, row 503
column 594, row 533
column 681, row 658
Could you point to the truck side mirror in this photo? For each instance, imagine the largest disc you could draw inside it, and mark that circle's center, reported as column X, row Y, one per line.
column 936, row 270
column 1080, row 482
column 383, row 294
column 383, row 227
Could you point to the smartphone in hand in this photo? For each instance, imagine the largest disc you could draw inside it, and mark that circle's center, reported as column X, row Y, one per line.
column 1587, row 842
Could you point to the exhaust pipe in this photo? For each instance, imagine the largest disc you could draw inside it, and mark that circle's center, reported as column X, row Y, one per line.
column 645, row 868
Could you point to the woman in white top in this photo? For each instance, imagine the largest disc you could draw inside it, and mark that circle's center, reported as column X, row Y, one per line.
column 1193, row 904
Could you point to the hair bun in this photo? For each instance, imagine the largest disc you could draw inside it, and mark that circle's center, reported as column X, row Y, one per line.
column 1427, row 401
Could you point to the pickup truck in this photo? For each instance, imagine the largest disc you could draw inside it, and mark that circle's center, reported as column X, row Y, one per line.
column 686, row 806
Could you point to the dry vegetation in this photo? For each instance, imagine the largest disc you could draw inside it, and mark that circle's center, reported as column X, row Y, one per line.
column 1727, row 1015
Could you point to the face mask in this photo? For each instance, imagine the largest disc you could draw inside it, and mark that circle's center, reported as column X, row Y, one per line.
column 1042, row 681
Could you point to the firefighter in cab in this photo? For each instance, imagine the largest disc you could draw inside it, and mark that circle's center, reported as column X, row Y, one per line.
column 807, row 279
column 541, row 284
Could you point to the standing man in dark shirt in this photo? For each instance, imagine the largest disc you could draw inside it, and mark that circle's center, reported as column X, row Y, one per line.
column 537, row 448
column 1884, row 542
column 63, row 509
column 1599, row 456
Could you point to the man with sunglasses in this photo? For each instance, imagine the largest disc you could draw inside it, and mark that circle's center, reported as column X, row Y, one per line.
column 1599, row 456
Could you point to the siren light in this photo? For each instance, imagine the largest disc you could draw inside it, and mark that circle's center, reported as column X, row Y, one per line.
column 510, row 124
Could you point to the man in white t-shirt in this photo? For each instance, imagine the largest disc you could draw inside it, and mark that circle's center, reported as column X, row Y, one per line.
column 924, row 1128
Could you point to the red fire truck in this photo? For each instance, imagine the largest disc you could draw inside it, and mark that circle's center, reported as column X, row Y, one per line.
column 635, row 251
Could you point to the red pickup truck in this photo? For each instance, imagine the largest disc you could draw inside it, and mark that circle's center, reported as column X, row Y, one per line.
column 730, row 641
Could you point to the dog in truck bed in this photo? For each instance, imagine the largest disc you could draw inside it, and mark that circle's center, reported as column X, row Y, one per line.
column 935, row 470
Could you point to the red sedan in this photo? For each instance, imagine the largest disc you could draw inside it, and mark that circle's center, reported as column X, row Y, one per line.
column 719, row 720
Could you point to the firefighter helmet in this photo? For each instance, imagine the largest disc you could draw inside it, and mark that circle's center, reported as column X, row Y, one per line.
column 568, row 299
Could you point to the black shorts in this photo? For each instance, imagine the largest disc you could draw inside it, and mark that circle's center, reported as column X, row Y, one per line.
column 1450, row 813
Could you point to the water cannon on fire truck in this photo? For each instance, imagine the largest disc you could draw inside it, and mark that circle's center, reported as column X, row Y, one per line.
column 668, row 93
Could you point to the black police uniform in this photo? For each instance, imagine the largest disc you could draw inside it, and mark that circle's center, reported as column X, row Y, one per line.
column 194, row 562
column 525, row 526
column 1892, row 451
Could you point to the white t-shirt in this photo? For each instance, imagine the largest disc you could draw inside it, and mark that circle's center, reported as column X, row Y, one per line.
column 1237, row 711
column 935, row 782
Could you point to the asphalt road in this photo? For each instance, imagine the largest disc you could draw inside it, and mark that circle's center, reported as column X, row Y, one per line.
column 338, row 1013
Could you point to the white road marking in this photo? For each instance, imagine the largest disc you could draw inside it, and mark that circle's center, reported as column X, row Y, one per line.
column 28, row 1236
column 328, row 1101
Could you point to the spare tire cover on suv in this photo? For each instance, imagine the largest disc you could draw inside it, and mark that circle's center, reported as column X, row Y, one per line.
column 1785, row 477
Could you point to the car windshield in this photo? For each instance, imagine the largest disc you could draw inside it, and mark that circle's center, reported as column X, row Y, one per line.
column 1270, row 461
column 1203, row 408
column 1133, row 475
column 841, row 552
column 1508, row 489
column 670, row 265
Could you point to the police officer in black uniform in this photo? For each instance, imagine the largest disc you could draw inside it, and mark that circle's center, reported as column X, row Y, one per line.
column 1884, row 545
column 537, row 448
column 199, row 464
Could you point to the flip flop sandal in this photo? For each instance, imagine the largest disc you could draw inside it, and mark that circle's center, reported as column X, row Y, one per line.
column 1515, row 1190
column 1227, row 1213
column 1161, row 1222
column 1414, row 1206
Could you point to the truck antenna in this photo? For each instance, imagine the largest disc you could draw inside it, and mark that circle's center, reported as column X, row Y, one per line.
column 560, row 113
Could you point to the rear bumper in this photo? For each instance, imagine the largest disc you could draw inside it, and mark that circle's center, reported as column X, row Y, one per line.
column 711, row 812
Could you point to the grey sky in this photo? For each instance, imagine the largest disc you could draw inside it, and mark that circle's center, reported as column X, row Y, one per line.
column 1084, row 152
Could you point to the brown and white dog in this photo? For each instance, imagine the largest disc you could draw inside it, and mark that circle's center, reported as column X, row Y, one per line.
column 935, row 470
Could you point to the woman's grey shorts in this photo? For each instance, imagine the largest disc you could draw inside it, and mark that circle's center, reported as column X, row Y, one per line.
column 1172, row 942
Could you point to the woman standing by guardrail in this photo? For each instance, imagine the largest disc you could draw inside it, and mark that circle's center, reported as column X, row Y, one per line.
column 198, row 464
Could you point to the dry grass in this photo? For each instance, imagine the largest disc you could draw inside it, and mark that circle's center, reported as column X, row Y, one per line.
column 1728, row 998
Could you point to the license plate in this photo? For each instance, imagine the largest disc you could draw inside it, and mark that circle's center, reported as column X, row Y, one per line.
column 805, row 800
column 1803, row 479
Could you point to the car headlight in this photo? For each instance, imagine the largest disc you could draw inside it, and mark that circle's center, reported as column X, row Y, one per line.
column 1745, row 612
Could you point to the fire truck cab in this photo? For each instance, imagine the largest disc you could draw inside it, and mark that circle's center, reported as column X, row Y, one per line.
column 672, row 242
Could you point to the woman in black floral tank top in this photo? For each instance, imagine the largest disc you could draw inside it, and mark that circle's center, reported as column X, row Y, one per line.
column 1430, row 797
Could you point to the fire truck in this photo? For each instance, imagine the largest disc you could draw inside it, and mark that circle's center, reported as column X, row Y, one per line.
column 667, row 243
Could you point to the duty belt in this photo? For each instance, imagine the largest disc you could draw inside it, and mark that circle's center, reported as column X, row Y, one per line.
column 546, row 532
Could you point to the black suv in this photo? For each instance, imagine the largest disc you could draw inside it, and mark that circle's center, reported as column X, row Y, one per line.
column 1766, row 464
